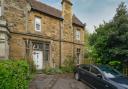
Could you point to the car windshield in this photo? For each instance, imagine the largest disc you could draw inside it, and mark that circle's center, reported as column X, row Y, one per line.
column 109, row 72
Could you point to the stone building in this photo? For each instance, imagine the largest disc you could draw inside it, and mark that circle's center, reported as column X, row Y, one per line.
column 32, row 30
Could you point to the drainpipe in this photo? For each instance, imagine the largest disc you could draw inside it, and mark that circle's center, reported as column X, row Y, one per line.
column 60, row 45
column 27, row 10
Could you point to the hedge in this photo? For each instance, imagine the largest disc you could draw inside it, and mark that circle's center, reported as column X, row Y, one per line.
column 14, row 75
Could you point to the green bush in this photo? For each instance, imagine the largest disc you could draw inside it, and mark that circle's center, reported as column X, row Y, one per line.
column 14, row 75
column 58, row 70
column 117, row 65
column 68, row 67
column 50, row 70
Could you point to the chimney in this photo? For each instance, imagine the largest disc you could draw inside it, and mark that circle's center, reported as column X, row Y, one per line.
column 67, row 14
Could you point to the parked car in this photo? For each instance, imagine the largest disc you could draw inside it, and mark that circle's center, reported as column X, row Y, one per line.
column 101, row 77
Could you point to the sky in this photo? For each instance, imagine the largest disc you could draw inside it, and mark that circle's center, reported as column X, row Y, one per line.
column 91, row 12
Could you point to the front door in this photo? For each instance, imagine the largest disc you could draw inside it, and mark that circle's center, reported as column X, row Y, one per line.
column 38, row 59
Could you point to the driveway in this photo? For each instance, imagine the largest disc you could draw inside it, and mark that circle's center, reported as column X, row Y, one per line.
column 63, row 81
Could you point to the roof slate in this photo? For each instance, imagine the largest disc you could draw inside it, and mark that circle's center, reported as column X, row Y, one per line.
column 41, row 7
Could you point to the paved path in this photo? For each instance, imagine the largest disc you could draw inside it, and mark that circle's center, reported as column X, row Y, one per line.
column 64, row 81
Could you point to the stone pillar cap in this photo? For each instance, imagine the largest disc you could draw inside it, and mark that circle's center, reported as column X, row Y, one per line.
column 68, row 1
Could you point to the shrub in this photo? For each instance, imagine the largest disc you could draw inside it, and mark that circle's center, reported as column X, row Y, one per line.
column 69, row 64
column 50, row 70
column 116, row 64
column 14, row 75
column 68, row 67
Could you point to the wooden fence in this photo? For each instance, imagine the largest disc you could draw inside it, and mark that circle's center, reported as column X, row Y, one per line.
column 125, row 71
column 89, row 61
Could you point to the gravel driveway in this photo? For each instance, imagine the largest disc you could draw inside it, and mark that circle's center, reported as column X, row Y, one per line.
column 63, row 81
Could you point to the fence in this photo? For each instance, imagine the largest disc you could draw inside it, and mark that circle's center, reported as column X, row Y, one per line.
column 89, row 61
column 125, row 71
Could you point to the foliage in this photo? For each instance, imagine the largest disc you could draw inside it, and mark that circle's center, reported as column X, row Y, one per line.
column 116, row 64
column 14, row 75
column 86, row 45
column 50, row 70
column 110, row 41
column 68, row 67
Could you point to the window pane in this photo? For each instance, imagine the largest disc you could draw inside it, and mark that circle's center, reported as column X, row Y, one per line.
column 46, row 55
column 78, row 50
column 94, row 70
column 78, row 35
column 47, row 46
column 38, row 24
column 87, row 68
column 46, row 52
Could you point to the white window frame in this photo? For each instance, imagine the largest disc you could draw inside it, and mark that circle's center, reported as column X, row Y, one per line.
column 38, row 22
column 77, row 34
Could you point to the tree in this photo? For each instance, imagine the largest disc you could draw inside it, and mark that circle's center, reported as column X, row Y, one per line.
column 110, row 41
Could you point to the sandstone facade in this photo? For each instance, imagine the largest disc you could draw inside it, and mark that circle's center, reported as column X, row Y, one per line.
column 57, row 38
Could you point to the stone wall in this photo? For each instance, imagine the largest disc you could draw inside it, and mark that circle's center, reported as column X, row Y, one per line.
column 55, row 54
column 67, row 51
column 67, row 22
column 15, row 15
column 50, row 27
column 17, row 46
column 58, row 33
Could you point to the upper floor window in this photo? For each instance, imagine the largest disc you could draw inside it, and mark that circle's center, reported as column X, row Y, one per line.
column 77, row 34
column 37, row 24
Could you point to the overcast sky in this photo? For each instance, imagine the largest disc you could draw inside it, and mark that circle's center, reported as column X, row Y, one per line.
column 91, row 12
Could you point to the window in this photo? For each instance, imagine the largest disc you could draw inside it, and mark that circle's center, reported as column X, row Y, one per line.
column 87, row 67
column 78, row 55
column 109, row 72
column 78, row 50
column 46, row 52
column 95, row 71
column 37, row 24
column 77, row 35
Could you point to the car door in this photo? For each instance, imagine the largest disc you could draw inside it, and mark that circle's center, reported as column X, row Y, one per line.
column 85, row 74
column 98, row 81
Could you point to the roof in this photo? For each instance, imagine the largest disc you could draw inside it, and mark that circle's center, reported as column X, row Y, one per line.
column 36, row 5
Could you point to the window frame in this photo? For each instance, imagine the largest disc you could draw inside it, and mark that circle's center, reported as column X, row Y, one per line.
column 78, row 34
column 46, row 52
column 38, row 22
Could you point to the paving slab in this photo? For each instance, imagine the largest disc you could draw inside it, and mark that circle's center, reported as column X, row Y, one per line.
column 60, row 81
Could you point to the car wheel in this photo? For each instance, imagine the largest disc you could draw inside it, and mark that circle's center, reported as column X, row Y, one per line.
column 77, row 76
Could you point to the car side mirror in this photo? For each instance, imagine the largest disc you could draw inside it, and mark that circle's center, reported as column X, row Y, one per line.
column 99, row 76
